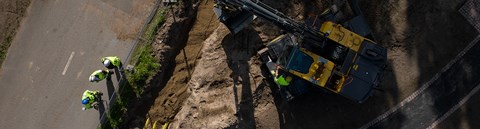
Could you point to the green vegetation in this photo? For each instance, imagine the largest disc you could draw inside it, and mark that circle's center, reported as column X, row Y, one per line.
column 4, row 47
column 119, row 108
column 145, row 66
column 149, row 34
column 156, row 23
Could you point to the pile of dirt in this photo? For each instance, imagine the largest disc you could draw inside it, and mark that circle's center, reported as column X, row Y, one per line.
column 223, row 83
column 11, row 15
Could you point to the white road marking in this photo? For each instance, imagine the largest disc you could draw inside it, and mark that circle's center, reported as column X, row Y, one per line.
column 68, row 63
column 454, row 108
column 424, row 86
column 79, row 73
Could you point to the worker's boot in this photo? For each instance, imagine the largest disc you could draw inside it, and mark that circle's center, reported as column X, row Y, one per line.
column 289, row 97
column 98, row 96
column 95, row 105
column 99, row 93
column 108, row 73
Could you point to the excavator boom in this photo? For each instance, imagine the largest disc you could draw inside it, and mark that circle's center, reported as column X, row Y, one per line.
column 237, row 14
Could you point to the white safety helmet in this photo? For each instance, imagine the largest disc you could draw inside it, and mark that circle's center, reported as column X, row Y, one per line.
column 93, row 78
column 106, row 63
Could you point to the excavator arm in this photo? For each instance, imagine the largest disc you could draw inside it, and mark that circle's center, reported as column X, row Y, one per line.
column 237, row 14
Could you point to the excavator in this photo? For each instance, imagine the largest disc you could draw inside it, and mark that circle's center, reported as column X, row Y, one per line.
column 335, row 52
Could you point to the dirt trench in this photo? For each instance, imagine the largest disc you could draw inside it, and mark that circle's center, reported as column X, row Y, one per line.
column 169, row 41
column 419, row 38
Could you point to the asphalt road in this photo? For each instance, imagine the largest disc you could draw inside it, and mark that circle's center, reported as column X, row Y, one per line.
column 58, row 46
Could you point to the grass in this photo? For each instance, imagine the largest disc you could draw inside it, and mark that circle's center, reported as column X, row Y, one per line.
column 145, row 66
column 4, row 48
column 149, row 34
column 119, row 108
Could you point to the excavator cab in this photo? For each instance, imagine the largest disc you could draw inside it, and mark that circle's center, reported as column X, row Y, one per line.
column 353, row 77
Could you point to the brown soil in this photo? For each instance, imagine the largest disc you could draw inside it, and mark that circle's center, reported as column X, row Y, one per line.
column 222, row 84
column 174, row 93
column 227, row 88
column 11, row 15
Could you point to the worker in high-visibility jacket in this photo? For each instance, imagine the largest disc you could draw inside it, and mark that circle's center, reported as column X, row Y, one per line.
column 111, row 62
column 89, row 98
column 282, row 80
column 99, row 75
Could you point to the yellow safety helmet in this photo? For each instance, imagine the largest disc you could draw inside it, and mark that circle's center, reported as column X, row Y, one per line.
column 289, row 78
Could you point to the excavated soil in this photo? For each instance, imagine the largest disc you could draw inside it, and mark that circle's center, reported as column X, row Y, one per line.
column 173, row 95
column 228, row 89
column 222, row 84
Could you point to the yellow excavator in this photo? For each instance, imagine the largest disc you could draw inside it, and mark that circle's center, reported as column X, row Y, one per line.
column 331, row 52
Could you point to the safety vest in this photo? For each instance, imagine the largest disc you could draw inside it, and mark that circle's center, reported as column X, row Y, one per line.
column 88, row 94
column 99, row 74
column 113, row 59
column 281, row 81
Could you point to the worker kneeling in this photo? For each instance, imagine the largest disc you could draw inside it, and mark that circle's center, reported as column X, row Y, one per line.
column 99, row 75
column 111, row 62
column 283, row 81
column 91, row 99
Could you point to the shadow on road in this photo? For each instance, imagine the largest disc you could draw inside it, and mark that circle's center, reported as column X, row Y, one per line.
column 437, row 48
column 430, row 33
column 101, row 110
column 117, row 74
column 110, row 88
column 462, row 77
